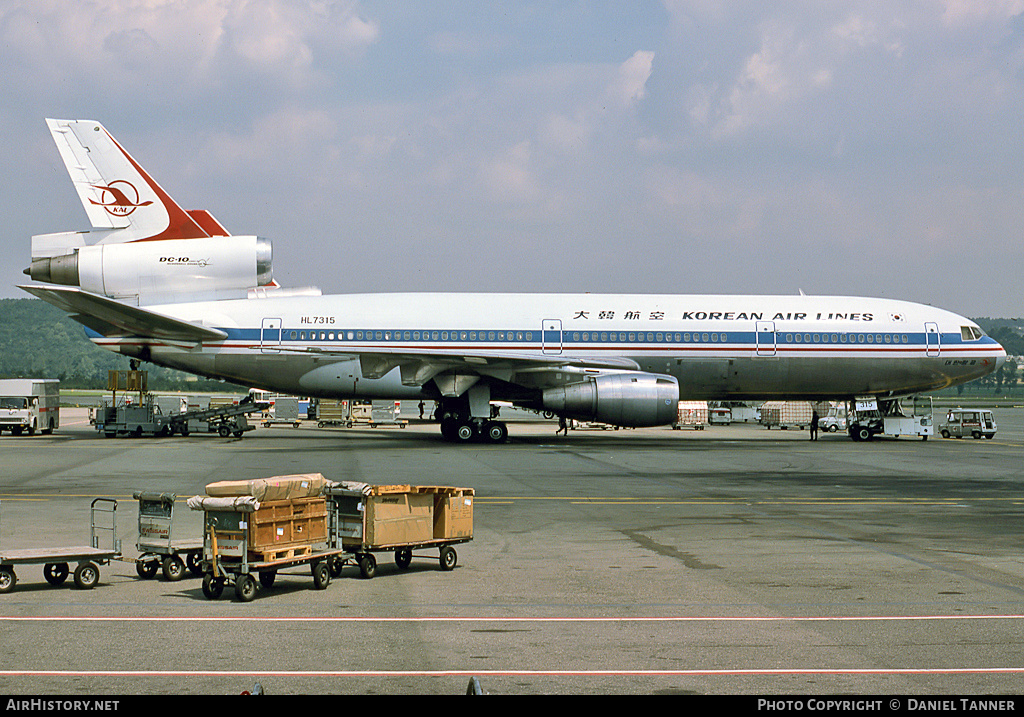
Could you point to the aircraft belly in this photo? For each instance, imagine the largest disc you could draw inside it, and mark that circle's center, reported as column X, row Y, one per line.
column 344, row 379
column 810, row 378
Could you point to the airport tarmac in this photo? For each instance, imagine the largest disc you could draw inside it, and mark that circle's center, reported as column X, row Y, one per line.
column 733, row 560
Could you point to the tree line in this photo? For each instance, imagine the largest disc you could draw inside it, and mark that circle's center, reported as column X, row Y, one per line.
column 38, row 340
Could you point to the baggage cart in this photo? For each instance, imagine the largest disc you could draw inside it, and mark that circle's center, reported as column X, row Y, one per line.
column 691, row 414
column 56, row 561
column 245, row 540
column 363, row 413
column 158, row 544
column 366, row 519
column 786, row 414
column 284, row 409
column 331, row 412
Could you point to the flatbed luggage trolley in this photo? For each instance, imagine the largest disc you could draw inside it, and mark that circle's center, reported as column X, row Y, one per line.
column 365, row 519
column 56, row 561
column 158, row 546
column 231, row 531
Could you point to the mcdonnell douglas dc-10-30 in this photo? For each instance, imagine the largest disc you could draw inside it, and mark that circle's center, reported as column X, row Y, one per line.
column 157, row 283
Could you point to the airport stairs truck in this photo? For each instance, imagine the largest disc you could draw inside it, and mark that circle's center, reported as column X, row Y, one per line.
column 28, row 405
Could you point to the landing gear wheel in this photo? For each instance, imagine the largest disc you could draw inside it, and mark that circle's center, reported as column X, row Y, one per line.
column 448, row 558
column 55, row 573
column 495, row 431
column 403, row 558
column 321, row 575
column 173, row 568
column 212, row 587
column 146, row 568
column 465, row 432
column 87, row 574
column 245, row 588
column 367, row 565
column 448, row 427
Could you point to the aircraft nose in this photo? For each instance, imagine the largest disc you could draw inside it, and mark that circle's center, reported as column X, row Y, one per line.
column 1000, row 355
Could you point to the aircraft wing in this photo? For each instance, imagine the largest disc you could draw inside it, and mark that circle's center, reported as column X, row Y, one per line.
column 417, row 368
column 113, row 318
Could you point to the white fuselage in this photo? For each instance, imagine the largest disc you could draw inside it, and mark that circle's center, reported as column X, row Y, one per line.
column 717, row 347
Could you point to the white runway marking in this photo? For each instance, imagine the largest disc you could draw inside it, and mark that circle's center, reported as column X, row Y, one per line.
column 370, row 619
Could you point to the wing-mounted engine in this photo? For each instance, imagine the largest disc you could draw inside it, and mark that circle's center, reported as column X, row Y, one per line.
column 152, row 272
column 633, row 399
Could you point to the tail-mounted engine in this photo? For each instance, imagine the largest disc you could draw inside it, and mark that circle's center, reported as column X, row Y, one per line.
column 633, row 399
column 163, row 271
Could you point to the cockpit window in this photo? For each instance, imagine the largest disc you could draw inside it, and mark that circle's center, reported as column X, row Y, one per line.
column 970, row 333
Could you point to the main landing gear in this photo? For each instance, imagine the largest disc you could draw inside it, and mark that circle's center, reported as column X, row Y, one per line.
column 459, row 429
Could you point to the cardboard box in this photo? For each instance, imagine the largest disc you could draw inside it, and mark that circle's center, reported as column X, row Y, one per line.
column 396, row 517
column 453, row 514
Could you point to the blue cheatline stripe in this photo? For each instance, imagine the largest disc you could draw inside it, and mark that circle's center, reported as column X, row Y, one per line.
column 603, row 340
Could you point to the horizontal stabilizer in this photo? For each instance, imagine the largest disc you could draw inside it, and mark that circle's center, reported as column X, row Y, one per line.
column 117, row 318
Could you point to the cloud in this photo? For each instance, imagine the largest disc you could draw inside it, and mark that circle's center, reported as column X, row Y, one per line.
column 178, row 47
column 630, row 83
column 970, row 12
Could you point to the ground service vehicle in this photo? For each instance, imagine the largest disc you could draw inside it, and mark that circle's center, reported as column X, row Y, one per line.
column 868, row 418
column 29, row 404
column 973, row 422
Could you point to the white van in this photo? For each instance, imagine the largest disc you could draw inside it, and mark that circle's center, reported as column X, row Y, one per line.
column 974, row 422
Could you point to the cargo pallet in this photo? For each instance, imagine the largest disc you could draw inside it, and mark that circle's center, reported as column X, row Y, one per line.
column 158, row 548
column 359, row 524
column 56, row 561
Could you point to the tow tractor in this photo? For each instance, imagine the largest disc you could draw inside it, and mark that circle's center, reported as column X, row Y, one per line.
column 869, row 417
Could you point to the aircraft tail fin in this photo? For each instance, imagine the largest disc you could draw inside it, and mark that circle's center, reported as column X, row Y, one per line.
column 121, row 199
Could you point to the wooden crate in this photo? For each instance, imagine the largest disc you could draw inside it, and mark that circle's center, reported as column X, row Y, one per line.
column 284, row 523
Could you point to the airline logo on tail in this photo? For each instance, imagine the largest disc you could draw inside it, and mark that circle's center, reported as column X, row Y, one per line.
column 115, row 199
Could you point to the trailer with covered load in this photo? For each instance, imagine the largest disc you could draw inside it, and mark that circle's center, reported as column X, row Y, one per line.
column 254, row 529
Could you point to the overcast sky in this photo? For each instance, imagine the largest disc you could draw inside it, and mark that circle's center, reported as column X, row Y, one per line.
column 684, row 146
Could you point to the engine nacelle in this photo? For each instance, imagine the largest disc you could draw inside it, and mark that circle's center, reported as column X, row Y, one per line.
column 164, row 271
column 633, row 399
